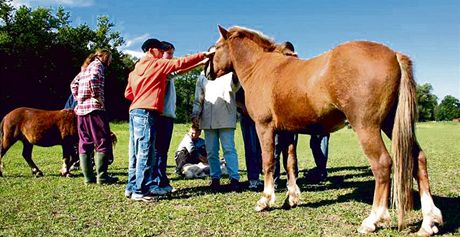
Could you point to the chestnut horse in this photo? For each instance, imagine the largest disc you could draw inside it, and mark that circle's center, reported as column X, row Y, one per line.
column 366, row 83
column 42, row 128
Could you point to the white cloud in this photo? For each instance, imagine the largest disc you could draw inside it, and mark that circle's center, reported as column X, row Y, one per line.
column 142, row 38
column 137, row 54
column 17, row 3
column 71, row 3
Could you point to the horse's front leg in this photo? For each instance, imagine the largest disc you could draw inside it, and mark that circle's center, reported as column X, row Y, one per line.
column 67, row 160
column 266, row 137
column 293, row 193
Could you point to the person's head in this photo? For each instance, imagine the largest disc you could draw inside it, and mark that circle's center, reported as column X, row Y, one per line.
column 286, row 48
column 154, row 47
column 195, row 133
column 169, row 52
column 104, row 55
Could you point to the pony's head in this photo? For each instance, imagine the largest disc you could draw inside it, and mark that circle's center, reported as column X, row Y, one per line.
column 221, row 62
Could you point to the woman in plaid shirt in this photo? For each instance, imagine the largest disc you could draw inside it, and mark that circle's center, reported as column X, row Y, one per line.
column 93, row 127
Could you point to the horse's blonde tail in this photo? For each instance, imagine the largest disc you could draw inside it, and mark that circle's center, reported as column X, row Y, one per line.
column 403, row 140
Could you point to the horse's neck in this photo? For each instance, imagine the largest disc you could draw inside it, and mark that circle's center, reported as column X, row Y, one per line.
column 244, row 60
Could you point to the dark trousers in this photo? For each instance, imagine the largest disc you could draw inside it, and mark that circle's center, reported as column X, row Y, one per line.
column 94, row 133
column 319, row 145
column 282, row 141
column 252, row 150
column 163, row 140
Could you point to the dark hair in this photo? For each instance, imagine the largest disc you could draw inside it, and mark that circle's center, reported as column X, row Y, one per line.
column 289, row 46
column 153, row 43
column 168, row 45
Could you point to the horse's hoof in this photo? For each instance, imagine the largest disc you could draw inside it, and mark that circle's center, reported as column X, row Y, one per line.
column 262, row 205
column 290, row 202
column 428, row 232
column 39, row 174
column 68, row 175
column 364, row 229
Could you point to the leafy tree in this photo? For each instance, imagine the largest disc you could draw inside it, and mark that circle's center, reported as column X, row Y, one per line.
column 426, row 102
column 185, row 90
column 40, row 53
column 448, row 109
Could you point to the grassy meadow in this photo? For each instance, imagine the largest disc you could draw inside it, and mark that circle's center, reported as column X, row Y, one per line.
column 57, row 206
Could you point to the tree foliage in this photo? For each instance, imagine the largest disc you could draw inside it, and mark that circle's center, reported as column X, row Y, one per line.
column 426, row 102
column 41, row 52
column 448, row 109
column 185, row 90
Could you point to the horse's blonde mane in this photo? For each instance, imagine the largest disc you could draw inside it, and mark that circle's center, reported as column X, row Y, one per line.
column 258, row 37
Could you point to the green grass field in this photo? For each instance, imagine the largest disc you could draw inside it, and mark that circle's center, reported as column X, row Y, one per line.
column 56, row 206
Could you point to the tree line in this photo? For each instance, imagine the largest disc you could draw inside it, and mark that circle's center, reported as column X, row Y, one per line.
column 41, row 52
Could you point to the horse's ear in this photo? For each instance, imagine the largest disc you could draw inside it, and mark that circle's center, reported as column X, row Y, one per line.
column 223, row 32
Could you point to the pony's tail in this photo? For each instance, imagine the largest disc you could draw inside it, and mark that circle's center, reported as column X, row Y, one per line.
column 1, row 138
column 1, row 147
column 403, row 140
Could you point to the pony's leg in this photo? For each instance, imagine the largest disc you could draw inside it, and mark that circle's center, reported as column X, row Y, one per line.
column 266, row 138
column 431, row 214
column 66, row 160
column 6, row 143
column 27, row 154
column 293, row 193
column 380, row 161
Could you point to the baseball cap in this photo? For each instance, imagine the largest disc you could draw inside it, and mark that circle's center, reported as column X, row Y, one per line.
column 153, row 43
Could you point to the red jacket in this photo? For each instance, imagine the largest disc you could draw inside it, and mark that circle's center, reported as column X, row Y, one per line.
column 147, row 82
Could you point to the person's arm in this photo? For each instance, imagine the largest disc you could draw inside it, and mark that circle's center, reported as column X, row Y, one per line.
column 198, row 101
column 129, row 91
column 186, row 143
column 74, row 85
column 202, row 62
column 172, row 65
column 95, row 83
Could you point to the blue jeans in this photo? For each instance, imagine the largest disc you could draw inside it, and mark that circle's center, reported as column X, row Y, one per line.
column 252, row 151
column 141, row 151
column 227, row 138
column 164, row 134
column 282, row 141
column 319, row 145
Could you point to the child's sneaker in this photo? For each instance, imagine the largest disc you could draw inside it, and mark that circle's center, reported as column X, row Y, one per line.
column 255, row 184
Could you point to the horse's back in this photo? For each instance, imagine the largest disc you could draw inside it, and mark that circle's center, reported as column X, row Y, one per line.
column 40, row 127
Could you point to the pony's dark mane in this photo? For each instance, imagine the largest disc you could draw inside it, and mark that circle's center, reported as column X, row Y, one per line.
column 260, row 39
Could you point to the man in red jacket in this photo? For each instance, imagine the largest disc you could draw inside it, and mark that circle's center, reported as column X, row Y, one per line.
column 146, row 91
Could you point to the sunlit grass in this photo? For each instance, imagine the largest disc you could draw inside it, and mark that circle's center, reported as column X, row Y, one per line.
column 56, row 206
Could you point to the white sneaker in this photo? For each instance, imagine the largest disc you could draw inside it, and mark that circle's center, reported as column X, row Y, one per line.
column 143, row 198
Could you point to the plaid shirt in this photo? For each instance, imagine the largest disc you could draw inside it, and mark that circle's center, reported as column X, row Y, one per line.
column 88, row 88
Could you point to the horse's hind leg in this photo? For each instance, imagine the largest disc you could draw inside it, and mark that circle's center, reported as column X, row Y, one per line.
column 27, row 154
column 431, row 214
column 293, row 193
column 6, row 143
column 380, row 161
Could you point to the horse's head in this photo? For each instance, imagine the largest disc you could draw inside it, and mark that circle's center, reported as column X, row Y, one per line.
column 221, row 62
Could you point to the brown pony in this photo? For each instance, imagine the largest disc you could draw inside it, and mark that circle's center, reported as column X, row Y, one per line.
column 42, row 128
column 366, row 83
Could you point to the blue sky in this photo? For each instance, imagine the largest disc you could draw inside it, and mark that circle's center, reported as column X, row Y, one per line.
column 427, row 31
